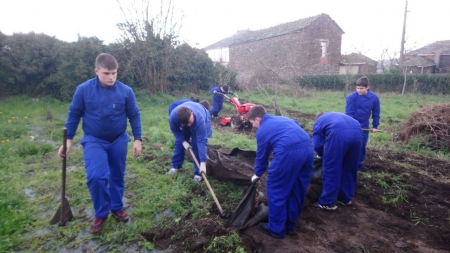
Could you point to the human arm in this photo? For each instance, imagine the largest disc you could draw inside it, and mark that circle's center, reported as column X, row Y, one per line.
column 376, row 114
column 68, row 146
column 262, row 154
column 350, row 106
column 318, row 139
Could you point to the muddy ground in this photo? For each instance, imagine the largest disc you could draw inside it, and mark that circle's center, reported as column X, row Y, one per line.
column 401, row 205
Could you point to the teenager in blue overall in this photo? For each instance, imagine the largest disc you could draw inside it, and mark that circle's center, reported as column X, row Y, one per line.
column 190, row 122
column 289, row 172
column 218, row 99
column 179, row 153
column 361, row 105
column 105, row 104
column 337, row 138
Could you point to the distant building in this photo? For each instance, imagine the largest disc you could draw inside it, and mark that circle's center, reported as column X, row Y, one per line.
column 307, row 46
column 357, row 64
column 433, row 58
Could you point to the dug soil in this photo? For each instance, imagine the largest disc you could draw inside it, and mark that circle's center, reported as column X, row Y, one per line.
column 402, row 204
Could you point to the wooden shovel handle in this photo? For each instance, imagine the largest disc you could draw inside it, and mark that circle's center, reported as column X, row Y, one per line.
column 207, row 183
column 62, row 219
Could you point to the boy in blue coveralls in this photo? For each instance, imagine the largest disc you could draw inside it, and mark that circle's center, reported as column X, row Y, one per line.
column 360, row 105
column 289, row 172
column 105, row 104
column 337, row 138
column 218, row 99
column 190, row 122
column 178, row 154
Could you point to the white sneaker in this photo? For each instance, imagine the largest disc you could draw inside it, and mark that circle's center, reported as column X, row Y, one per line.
column 197, row 178
column 172, row 171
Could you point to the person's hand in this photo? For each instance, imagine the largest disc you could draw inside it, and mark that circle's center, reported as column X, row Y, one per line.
column 255, row 179
column 186, row 145
column 203, row 168
column 374, row 130
column 215, row 92
column 137, row 148
column 68, row 145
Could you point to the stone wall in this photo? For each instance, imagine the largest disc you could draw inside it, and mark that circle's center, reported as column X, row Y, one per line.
column 286, row 56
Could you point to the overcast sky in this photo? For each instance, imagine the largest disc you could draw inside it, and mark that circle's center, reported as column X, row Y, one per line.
column 369, row 25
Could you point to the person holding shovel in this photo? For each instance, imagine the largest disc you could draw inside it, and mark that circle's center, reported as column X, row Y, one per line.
column 105, row 104
column 361, row 105
column 190, row 122
column 289, row 172
column 338, row 139
column 179, row 152
column 218, row 99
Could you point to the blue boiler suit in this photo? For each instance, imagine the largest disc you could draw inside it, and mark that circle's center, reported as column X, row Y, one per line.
column 199, row 132
column 337, row 138
column 217, row 101
column 178, row 155
column 361, row 108
column 105, row 141
column 289, row 172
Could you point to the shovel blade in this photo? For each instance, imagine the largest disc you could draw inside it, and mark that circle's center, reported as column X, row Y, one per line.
column 67, row 215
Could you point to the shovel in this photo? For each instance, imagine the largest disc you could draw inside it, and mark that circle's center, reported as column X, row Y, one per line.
column 207, row 184
column 64, row 212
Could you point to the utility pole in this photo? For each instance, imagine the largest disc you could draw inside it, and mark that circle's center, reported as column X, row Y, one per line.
column 402, row 45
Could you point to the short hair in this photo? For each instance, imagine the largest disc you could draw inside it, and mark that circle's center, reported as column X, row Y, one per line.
column 106, row 61
column 196, row 100
column 225, row 87
column 256, row 111
column 319, row 114
column 205, row 103
column 363, row 81
column 184, row 114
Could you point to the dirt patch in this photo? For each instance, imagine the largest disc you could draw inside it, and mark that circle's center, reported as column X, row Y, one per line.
column 401, row 205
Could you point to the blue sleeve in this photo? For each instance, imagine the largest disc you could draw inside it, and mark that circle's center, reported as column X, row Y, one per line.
column 376, row 113
column 350, row 106
column 213, row 89
column 202, row 140
column 262, row 153
column 134, row 115
column 318, row 139
column 175, row 127
column 76, row 111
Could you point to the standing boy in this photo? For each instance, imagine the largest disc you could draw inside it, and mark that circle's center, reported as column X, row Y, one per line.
column 337, row 138
column 361, row 105
column 289, row 172
column 105, row 104
column 217, row 93
column 190, row 122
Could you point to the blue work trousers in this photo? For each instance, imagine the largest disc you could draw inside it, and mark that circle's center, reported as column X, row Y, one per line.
column 217, row 107
column 287, row 183
column 105, row 170
column 340, row 166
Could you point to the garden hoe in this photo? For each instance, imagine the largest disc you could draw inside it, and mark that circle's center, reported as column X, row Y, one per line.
column 207, row 184
column 64, row 212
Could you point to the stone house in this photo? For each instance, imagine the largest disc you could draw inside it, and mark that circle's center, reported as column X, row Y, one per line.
column 307, row 46
column 355, row 63
column 433, row 58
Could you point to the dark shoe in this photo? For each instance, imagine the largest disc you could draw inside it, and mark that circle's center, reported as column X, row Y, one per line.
column 263, row 227
column 290, row 232
column 97, row 225
column 363, row 168
column 121, row 216
column 323, row 207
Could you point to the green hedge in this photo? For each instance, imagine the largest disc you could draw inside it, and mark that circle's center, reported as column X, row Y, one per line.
column 423, row 83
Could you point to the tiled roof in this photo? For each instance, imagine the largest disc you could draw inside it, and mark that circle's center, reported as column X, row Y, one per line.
column 247, row 35
column 432, row 48
column 418, row 61
column 355, row 58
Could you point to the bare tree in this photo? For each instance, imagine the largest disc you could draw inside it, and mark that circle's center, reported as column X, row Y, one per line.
column 149, row 35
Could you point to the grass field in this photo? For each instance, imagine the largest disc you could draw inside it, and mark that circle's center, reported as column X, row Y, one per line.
column 30, row 171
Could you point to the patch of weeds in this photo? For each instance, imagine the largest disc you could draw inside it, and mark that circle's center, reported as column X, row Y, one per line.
column 416, row 218
column 225, row 244
column 395, row 191
column 29, row 149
